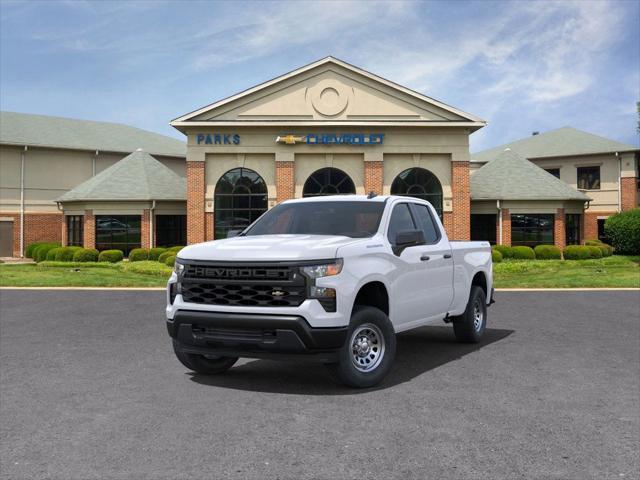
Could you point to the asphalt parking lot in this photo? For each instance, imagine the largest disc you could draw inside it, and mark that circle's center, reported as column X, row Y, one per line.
column 90, row 389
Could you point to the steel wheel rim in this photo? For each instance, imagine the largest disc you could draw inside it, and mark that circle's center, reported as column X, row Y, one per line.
column 478, row 316
column 366, row 347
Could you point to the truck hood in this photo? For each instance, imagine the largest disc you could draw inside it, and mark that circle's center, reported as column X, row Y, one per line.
column 265, row 248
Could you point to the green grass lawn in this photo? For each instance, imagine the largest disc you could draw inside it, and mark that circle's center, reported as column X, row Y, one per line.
column 616, row 271
column 63, row 274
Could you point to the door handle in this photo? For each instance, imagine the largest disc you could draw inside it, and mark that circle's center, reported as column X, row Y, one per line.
column 447, row 255
column 424, row 258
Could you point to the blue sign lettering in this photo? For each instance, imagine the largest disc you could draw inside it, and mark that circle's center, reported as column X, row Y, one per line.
column 217, row 139
column 345, row 139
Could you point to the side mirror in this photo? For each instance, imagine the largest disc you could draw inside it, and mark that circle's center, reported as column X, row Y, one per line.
column 408, row 238
column 234, row 233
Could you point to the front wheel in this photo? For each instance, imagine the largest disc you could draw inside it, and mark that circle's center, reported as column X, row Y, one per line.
column 470, row 326
column 202, row 364
column 368, row 353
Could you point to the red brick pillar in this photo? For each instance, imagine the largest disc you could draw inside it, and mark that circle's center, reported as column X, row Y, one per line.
column 145, row 225
column 89, row 229
column 373, row 173
column 506, row 227
column 629, row 193
column 209, row 227
column 590, row 223
column 195, row 202
column 64, row 240
column 447, row 223
column 285, row 181
column 559, row 234
column 461, row 201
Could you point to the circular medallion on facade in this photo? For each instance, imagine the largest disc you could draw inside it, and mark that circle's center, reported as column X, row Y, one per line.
column 329, row 97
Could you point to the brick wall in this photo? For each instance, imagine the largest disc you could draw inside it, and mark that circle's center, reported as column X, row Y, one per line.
column 447, row 223
column 89, row 229
column 373, row 177
column 38, row 227
column 461, row 205
column 559, row 232
column 285, row 180
column 195, row 202
column 629, row 193
column 145, row 233
column 506, row 227
column 590, row 223
column 209, row 232
column 63, row 231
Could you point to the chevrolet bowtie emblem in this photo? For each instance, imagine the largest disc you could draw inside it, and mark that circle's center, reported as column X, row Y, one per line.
column 290, row 139
column 278, row 293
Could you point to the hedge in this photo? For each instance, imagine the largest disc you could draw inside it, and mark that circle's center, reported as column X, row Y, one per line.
column 65, row 254
column 504, row 250
column 154, row 253
column 170, row 261
column 623, row 229
column 51, row 254
column 139, row 254
column 29, row 252
column 40, row 252
column 523, row 253
column 164, row 255
column 594, row 252
column 607, row 250
column 86, row 255
column 577, row 252
column 111, row 256
column 547, row 252
column 496, row 256
column 176, row 249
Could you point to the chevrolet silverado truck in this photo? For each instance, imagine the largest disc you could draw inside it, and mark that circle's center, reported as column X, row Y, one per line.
column 332, row 279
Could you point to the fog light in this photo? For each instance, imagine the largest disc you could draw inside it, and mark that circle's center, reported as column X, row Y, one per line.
column 326, row 297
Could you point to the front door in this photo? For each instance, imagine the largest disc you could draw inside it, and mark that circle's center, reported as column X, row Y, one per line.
column 6, row 238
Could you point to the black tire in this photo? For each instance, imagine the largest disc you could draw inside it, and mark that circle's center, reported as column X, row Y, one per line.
column 465, row 327
column 367, row 324
column 202, row 364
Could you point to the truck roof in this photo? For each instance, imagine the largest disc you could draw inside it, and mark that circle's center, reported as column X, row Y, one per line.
column 342, row 198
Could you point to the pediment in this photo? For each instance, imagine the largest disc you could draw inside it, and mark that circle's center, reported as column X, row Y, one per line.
column 328, row 91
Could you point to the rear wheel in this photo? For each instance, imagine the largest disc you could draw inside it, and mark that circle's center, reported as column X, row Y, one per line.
column 470, row 326
column 208, row 365
column 368, row 353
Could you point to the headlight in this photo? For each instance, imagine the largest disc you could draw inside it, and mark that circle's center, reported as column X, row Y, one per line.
column 178, row 268
column 323, row 270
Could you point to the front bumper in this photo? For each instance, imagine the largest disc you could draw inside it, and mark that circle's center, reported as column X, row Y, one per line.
column 253, row 335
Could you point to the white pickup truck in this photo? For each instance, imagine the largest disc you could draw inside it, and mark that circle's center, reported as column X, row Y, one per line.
column 327, row 278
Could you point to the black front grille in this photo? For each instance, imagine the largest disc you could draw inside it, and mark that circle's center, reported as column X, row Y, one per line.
column 243, row 285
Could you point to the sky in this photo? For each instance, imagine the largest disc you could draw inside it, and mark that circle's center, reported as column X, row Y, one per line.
column 523, row 66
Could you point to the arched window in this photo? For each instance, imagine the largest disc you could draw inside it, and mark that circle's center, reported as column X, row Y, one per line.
column 328, row 181
column 419, row 183
column 240, row 198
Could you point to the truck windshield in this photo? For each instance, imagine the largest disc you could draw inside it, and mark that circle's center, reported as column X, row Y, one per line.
column 349, row 219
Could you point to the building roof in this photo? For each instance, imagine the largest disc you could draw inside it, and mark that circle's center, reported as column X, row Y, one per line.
column 510, row 176
column 137, row 176
column 465, row 118
column 561, row 142
column 56, row 132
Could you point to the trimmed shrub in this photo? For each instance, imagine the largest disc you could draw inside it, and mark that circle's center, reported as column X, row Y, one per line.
column 523, row 253
column 139, row 254
column 504, row 250
column 594, row 252
column 65, row 254
column 86, row 255
column 111, row 256
column 176, row 249
column 154, row 253
column 547, row 252
column 40, row 252
column 29, row 251
column 623, row 229
column 170, row 261
column 576, row 252
column 164, row 255
column 51, row 254
column 607, row 250
column 592, row 243
column 496, row 256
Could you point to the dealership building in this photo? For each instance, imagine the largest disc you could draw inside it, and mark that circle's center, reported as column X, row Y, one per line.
column 323, row 129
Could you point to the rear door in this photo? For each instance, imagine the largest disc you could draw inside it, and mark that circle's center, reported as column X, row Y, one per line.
column 437, row 262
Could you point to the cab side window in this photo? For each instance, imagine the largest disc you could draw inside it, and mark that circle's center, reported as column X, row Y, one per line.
column 401, row 220
column 431, row 234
